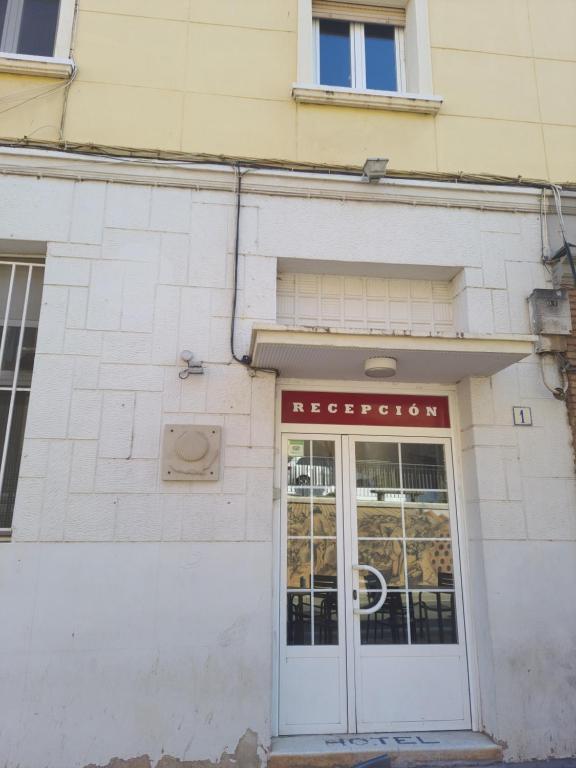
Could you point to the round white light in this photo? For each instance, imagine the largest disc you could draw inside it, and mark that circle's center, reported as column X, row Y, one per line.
column 380, row 367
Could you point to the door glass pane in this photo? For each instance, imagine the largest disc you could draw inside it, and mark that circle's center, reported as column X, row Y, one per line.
column 324, row 517
column 325, row 618
column 388, row 625
column 433, row 617
column 298, row 518
column 38, row 27
column 429, row 564
column 423, row 466
column 380, row 520
column 325, row 564
column 312, row 545
column 335, row 53
column 299, row 564
column 299, row 619
column 427, row 522
column 387, row 557
column 380, row 46
column 377, row 470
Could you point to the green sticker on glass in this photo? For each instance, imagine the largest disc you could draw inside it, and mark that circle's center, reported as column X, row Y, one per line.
column 295, row 447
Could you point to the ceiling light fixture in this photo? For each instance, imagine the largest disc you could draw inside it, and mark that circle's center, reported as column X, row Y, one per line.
column 380, row 367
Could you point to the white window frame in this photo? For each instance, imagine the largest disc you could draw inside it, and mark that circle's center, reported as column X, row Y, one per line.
column 60, row 64
column 358, row 56
column 414, row 72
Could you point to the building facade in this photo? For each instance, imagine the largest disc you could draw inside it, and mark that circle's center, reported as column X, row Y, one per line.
column 286, row 440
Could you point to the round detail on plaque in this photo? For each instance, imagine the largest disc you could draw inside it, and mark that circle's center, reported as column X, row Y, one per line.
column 192, row 446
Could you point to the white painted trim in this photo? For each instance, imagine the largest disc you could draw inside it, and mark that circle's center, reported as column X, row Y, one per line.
column 40, row 163
column 366, row 99
column 418, row 58
column 465, row 573
column 306, row 47
column 63, row 43
column 36, row 66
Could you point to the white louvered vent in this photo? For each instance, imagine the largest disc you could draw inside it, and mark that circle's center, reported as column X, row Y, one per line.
column 417, row 306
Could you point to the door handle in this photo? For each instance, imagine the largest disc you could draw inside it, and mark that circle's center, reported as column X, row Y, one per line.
column 383, row 586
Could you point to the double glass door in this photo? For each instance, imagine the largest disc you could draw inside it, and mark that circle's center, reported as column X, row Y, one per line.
column 371, row 622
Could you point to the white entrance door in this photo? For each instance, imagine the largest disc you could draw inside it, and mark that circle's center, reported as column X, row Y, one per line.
column 371, row 628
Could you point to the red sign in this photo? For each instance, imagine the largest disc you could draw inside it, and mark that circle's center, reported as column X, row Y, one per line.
column 365, row 409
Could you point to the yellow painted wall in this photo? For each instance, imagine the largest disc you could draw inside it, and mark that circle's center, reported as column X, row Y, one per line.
column 215, row 76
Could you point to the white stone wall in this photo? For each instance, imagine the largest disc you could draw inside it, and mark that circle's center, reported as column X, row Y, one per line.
column 140, row 610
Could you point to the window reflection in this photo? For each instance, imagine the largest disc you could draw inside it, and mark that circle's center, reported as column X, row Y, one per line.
column 380, row 47
column 299, row 623
column 299, row 564
column 325, row 618
column 388, row 625
column 429, row 564
column 433, row 618
column 335, row 66
column 387, row 557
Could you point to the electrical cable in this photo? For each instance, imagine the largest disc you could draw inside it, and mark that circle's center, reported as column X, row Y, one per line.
column 558, row 392
column 74, row 73
column 245, row 360
column 183, row 159
column 567, row 247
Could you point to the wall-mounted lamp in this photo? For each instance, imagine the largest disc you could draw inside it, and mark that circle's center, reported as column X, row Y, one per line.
column 191, row 366
column 380, row 367
column 375, row 168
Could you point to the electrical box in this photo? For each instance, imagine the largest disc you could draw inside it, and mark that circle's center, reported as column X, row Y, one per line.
column 191, row 452
column 550, row 312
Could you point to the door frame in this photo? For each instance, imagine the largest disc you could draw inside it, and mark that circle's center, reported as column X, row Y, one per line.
column 462, row 529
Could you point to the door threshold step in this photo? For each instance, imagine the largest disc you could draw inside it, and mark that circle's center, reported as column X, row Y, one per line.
column 404, row 749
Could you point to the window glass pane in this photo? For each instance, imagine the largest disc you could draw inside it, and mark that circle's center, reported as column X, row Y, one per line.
column 31, row 329
column 335, row 53
column 38, row 27
column 325, row 618
column 15, row 312
column 433, row 617
column 380, row 57
column 12, row 466
column 388, row 625
column 298, row 620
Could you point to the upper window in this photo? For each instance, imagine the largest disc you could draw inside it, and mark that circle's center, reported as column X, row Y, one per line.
column 356, row 55
column 372, row 54
column 29, row 27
